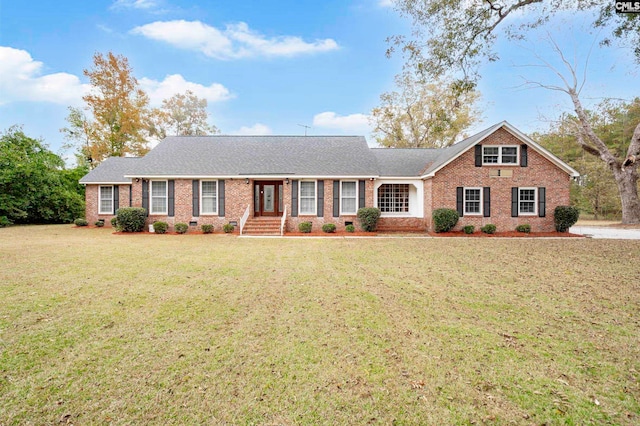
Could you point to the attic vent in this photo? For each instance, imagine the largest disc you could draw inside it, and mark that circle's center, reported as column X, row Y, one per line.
column 500, row 173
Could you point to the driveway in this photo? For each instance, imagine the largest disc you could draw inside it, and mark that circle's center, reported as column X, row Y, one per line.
column 603, row 232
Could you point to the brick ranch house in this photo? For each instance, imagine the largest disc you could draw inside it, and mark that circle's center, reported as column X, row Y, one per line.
column 259, row 183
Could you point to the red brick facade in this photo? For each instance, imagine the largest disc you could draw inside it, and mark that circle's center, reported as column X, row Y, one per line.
column 438, row 191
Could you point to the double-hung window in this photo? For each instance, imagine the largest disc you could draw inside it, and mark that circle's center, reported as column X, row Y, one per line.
column 208, row 197
column 159, row 197
column 393, row 198
column 308, row 197
column 472, row 201
column 348, row 197
column 499, row 155
column 106, row 200
column 526, row 201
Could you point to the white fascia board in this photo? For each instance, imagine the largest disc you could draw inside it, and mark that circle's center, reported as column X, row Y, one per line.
column 399, row 178
column 239, row 177
column 105, row 183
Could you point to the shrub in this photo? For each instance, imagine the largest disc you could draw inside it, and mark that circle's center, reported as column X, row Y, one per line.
column 328, row 228
column 99, row 223
column 160, row 227
column 565, row 217
column 81, row 222
column 181, row 228
column 368, row 217
column 468, row 229
column 350, row 228
column 525, row 227
column 489, row 228
column 304, row 227
column 445, row 219
column 131, row 219
column 228, row 228
column 207, row 229
column 4, row 221
column 114, row 222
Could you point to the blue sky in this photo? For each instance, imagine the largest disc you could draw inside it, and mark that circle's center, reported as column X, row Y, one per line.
column 265, row 67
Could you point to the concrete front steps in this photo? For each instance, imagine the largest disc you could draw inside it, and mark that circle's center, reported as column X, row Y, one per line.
column 262, row 226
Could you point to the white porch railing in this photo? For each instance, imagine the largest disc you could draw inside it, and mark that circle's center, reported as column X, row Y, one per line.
column 243, row 219
column 283, row 220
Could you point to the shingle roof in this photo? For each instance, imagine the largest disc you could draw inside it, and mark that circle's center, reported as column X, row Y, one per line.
column 404, row 162
column 260, row 155
column 112, row 170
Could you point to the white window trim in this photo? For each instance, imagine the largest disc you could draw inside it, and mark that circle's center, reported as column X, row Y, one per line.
column 535, row 202
column 215, row 204
column 100, row 211
column 464, row 201
column 342, row 212
column 500, row 163
column 166, row 198
column 416, row 204
column 315, row 198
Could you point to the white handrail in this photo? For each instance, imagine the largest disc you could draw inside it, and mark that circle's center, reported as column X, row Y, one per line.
column 243, row 219
column 284, row 218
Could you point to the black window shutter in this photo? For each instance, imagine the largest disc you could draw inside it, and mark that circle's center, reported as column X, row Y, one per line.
column 145, row 195
column 361, row 194
column 542, row 202
column 171, row 198
column 195, row 197
column 514, row 202
column 524, row 156
column 294, row 198
column 336, row 198
column 116, row 198
column 320, row 206
column 460, row 201
column 221, row 198
column 478, row 155
column 486, row 201
column 130, row 195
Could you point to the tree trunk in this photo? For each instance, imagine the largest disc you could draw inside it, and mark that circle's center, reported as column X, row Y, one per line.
column 627, row 181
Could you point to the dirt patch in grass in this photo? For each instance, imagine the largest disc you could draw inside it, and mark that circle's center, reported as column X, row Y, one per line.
column 97, row 328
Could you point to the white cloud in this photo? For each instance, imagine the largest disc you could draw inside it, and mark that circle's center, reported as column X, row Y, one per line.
column 354, row 123
column 386, row 3
column 21, row 80
column 134, row 4
column 175, row 83
column 257, row 129
column 233, row 42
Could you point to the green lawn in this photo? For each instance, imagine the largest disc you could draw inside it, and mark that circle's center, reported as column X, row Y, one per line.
column 97, row 328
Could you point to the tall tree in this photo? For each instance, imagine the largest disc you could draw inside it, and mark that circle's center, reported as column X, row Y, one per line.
column 34, row 185
column 421, row 115
column 184, row 114
column 118, row 111
column 453, row 37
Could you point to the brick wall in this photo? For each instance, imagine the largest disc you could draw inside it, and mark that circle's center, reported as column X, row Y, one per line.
column 92, row 201
column 540, row 172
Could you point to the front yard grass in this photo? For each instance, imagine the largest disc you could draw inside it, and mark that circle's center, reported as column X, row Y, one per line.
column 97, row 328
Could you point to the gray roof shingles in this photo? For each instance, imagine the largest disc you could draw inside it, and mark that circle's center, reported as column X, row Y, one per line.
column 112, row 170
column 404, row 162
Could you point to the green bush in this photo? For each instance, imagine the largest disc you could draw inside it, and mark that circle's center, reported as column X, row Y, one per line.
column 565, row 217
column 181, row 228
column 304, row 227
column 350, row 228
column 489, row 228
column 114, row 222
column 228, row 228
column 525, row 227
column 207, row 229
column 445, row 219
column 468, row 229
column 131, row 219
column 328, row 228
column 4, row 221
column 368, row 217
column 81, row 222
column 99, row 223
column 160, row 227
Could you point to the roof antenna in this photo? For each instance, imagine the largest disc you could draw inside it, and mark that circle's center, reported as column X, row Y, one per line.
column 305, row 128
